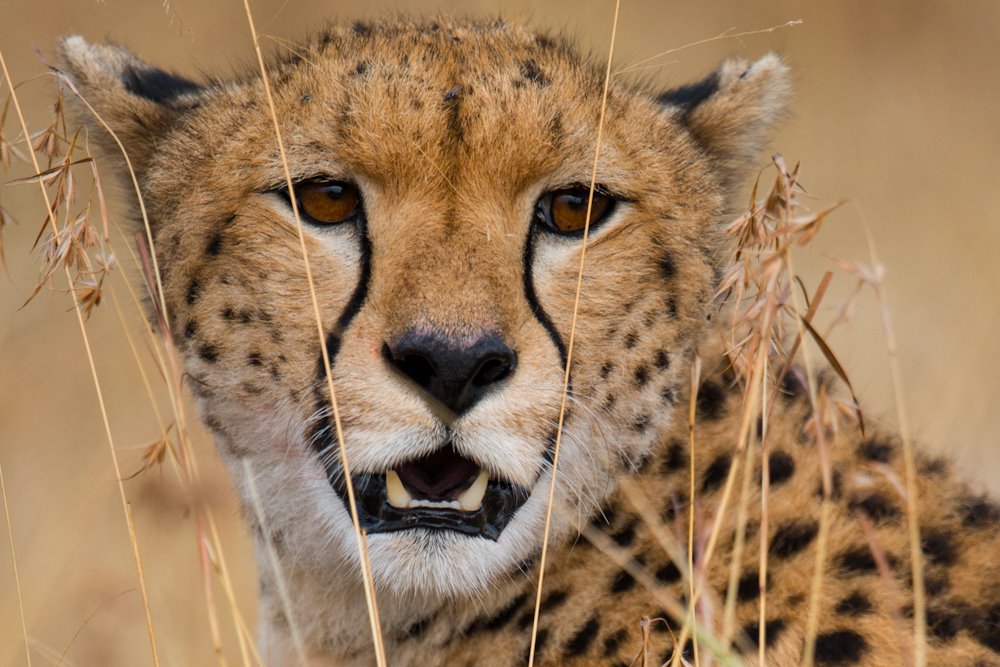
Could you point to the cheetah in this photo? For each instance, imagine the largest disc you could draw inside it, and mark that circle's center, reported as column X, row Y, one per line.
column 441, row 171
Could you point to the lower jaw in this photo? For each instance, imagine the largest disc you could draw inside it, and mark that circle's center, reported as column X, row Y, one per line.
column 376, row 515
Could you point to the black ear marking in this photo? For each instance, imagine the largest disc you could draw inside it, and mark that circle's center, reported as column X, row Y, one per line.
column 157, row 85
column 689, row 96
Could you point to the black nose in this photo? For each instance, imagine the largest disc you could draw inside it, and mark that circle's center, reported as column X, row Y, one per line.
column 457, row 375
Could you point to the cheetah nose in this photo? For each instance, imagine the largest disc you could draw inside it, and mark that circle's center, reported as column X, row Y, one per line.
column 454, row 374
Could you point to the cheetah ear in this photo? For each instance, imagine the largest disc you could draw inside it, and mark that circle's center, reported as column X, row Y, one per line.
column 136, row 100
column 732, row 112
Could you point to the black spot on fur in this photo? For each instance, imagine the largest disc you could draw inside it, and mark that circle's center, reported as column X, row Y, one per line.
column 839, row 647
column 716, row 473
column 772, row 630
column 193, row 292
column 861, row 561
column 748, row 587
column 936, row 584
column 254, row 359
column 689, row 96
column 711, row 401
column 626, row 534
column 676, row 457
column 614, row 640
column 640, row 423
column 529, row 68
column 668, row 269
column 583, row 638
column 668, row 574
column 943, row 623
column 979, row 512
column 661, row 360
column 622, row 582
column 641, row 376
column 361, row 68
column 876, row 506
column 939, row 547
column 631, row 339
column 190, row 329
column 987, row 630
column 667, row 394
column 502, row 618
column 792, row 538
column 792, row 385
column 228, row 313
column 606, row 369
column 781, row 467
column 855, row 604
column 214, row 246
column 361, row 29
column 672, row 308
column 876, row 450
column 209, row 353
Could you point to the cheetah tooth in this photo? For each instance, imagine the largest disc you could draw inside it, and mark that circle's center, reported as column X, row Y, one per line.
column 396, row 493
column 472, row 498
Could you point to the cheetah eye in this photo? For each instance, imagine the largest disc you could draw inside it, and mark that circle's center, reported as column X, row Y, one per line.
column 564, row 211
column 328, row 202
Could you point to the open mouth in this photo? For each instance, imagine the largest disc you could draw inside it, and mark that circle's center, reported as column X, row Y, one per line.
column 443, row 491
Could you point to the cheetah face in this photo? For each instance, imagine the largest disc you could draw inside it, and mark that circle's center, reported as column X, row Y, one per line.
column 441, row 174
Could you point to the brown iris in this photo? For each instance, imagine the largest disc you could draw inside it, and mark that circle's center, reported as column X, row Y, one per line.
column 565, row 211
column 328, row 202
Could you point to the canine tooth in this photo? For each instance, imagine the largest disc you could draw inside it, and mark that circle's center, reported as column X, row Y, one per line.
column 397, row 494
column 472, row 498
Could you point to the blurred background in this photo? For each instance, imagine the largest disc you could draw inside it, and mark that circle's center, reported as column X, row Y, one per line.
column 897, row 112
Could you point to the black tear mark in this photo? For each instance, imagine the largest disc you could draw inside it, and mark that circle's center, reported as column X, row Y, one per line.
column 840, row 647
column 532, row 297
column 792, row 538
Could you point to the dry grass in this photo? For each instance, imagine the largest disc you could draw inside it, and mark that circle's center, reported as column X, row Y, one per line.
column 770, row 323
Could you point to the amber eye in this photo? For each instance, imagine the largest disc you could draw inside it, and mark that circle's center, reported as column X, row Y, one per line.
column 328, row 202
column 565, row 211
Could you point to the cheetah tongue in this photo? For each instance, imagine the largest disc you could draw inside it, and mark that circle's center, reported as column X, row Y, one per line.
column 469, row 500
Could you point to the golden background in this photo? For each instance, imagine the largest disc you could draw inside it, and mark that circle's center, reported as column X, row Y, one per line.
column 897, row 111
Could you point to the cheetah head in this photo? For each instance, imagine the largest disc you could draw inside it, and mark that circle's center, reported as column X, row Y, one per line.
column 441, row 173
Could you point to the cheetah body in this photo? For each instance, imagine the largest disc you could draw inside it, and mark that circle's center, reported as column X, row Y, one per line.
column 452, row 133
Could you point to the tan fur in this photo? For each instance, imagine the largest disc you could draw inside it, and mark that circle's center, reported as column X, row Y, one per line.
column 452, row 131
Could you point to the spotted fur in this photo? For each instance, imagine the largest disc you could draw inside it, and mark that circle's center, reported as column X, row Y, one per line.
column 452, row 131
